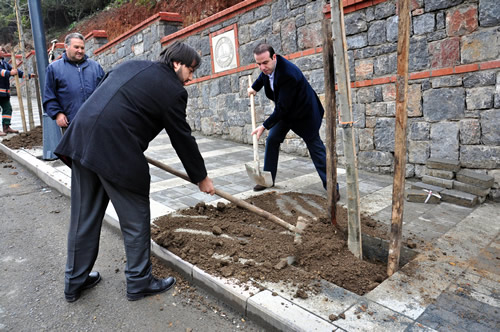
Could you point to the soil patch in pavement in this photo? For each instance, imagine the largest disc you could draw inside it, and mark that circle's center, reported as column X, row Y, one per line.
column 234, row 243
column 27, row 140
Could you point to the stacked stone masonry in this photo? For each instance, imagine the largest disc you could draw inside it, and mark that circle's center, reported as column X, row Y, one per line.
column 454, row 62
column 451, row 184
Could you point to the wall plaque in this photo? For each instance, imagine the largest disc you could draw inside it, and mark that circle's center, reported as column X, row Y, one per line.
column 224, row 48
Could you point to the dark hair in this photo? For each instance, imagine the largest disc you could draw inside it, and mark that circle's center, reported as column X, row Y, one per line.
column 261, row 48
column 180, row 52
column 67, row 40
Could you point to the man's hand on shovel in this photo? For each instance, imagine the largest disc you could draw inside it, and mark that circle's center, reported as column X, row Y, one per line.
column 258, row 131
column 206, row 185
column 251, row 91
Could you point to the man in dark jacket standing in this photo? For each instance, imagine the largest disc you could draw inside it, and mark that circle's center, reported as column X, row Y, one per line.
column 6, row 72
column 297, row 108
column 105, row 147
column 70, row 81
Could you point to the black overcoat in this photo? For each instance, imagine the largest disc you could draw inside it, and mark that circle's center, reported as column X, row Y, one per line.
column 113, row 128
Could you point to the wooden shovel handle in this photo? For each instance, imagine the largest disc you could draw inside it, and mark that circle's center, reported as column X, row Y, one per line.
column 254, row 125
column 231, row 198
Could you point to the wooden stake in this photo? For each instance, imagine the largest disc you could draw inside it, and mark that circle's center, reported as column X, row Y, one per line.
column 18, row 91
column 26, row 80
column 400, row 137
column 345, row 106
column 37, row 91
column 331, row 116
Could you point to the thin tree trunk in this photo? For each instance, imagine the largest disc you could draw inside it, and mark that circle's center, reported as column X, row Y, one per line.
column 331, row 116
column 23, row 53
column 345, row 105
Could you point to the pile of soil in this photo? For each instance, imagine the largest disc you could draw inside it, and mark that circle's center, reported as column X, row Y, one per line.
column 232, row 242
column 27, row 140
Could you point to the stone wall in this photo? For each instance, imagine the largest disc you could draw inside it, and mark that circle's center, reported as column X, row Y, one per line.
column 454, row 86
column 453, row 93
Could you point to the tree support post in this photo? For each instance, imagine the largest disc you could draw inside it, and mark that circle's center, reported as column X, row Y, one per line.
column 400, row 137
column 18, row 91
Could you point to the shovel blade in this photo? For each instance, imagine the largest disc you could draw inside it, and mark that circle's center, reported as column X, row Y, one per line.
column 263, row 178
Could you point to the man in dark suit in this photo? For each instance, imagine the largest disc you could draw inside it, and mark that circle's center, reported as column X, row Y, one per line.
column 297, row 107
column 104, row 146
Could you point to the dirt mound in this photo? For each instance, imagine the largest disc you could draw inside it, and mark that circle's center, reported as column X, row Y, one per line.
column 234, row 243
column 27, row 140
column 116, row 21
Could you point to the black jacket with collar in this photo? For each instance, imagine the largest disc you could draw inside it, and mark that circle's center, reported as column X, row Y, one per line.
column 113, row 128
column 295, row 100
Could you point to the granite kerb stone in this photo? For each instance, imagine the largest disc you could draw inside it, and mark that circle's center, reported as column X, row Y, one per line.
column 426, row 186
column 440, row 173
column 420, row 196
column 459, row 198
column 437, row 181
column 443, row 163
column 481, row 180
column 471, row 189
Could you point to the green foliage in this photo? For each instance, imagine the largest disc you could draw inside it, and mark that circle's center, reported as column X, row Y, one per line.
column 146, row 3
column 118, row 3
column 57, row 14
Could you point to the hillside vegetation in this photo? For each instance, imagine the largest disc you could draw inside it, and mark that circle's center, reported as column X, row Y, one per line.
column 114, row 16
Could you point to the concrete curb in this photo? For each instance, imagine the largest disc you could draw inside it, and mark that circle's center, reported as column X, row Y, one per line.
column 45, row 173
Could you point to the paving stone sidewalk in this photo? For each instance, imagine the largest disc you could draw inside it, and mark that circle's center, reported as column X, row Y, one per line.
column 452, row 285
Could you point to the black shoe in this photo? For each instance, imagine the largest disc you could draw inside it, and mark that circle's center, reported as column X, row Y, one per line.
column 92, row 280
column 157, row 286
column 338, row 196
column 260, row 188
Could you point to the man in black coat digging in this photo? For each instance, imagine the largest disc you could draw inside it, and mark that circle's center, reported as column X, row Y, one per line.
column 104, row 146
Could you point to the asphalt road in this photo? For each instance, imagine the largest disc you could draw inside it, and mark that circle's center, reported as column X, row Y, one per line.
column 33, row 225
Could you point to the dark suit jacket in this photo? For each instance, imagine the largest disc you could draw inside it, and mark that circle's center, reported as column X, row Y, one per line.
column 296, row 102
column 113, row 128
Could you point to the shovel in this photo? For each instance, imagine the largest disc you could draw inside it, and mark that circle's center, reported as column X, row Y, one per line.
column 253, row 168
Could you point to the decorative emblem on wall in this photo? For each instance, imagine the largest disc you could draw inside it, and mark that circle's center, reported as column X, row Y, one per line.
column 224, row 52
column 224, row 48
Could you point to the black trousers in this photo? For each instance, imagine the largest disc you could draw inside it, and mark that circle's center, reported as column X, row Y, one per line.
column 90, row 195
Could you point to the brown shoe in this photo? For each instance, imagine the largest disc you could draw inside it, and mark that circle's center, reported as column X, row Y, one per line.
column 8, row 130
column 2, row 133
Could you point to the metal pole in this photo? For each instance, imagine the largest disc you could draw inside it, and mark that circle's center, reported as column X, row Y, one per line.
column 51, row 131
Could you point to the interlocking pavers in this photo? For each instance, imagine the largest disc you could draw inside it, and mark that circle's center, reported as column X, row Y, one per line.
column 370, row 316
